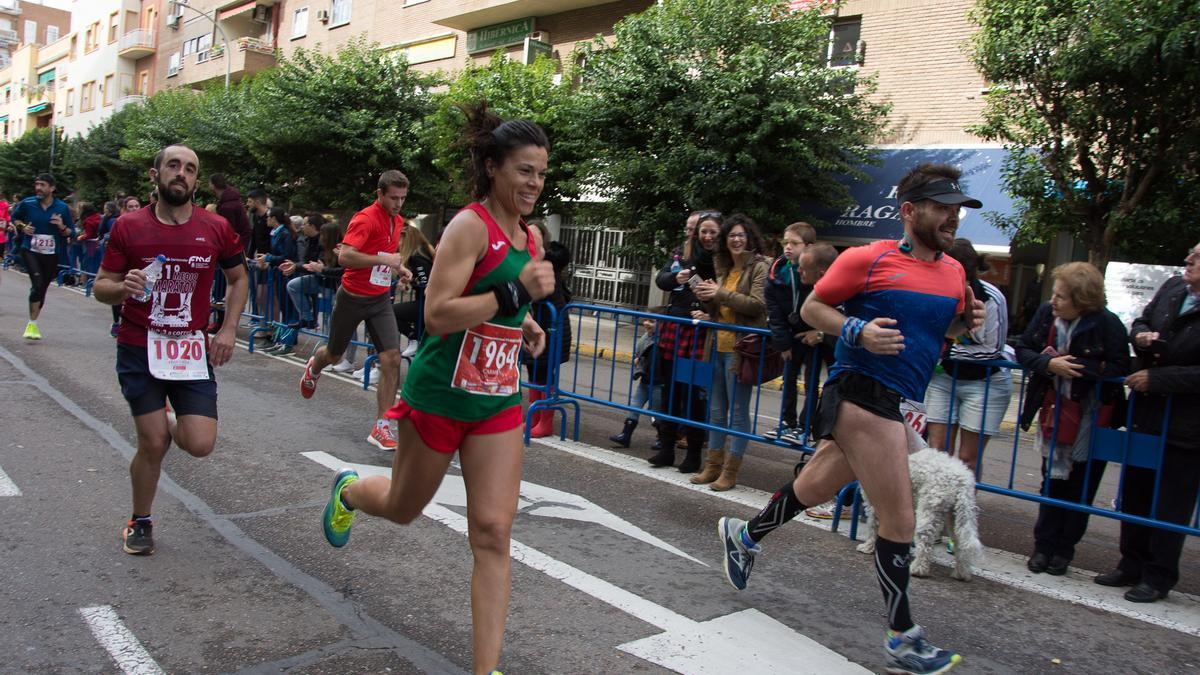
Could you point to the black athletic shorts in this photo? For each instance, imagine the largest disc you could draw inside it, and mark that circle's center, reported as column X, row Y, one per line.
column 146, row 393
column 863, row 391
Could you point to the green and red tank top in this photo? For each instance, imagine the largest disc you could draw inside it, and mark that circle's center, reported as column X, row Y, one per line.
column 474, row 374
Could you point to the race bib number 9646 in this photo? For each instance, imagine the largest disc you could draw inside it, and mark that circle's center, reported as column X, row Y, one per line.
column 487, row 361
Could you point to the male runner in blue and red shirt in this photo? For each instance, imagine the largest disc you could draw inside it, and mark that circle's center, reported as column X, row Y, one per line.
column 901, row 299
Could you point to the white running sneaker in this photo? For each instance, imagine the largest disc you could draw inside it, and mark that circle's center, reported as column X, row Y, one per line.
column 358, row 375
column 343, row 366
column 823, row 511
column 410, row 350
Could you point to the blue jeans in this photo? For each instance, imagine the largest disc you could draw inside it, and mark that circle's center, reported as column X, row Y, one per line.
column 300, row 289
column 642, row 395
column 724, row 386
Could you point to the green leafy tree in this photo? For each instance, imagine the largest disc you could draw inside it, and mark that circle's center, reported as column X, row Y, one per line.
column 513, row 91
column 1100, row 99
column 29, row 155
column 329, row 124
column 95, row 160
column 211, row 122
column 725, row 104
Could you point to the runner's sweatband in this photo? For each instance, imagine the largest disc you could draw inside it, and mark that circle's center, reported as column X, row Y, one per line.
column 511, row 297
column 852, row 331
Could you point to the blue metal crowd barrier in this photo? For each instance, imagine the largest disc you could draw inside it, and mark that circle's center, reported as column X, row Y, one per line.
column 1114, row 445
column 692, row 372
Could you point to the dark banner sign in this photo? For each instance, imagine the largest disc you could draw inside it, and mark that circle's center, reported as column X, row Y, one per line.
column 875, row 213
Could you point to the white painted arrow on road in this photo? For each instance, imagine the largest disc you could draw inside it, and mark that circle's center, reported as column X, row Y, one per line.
column 745, row 640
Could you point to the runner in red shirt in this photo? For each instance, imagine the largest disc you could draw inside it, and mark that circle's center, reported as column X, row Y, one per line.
column 162, row 349
column 369, row 255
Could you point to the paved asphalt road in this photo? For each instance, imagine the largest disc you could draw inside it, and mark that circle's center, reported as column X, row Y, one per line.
column 617, row 565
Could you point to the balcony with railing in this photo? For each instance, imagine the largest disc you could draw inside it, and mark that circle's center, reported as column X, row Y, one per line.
column 8, row 37
column 137, row 43
column 471, row 14
column 130, row 99
column 250, row 55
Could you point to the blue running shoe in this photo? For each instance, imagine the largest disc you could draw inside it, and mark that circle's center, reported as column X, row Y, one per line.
column 909, row 654
column 739, row 559
column 337, row 519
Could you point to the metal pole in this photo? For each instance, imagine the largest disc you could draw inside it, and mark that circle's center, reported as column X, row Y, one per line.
column 221, row 31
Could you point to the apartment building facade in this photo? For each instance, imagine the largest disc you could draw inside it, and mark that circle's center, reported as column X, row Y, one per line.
column 107, row 41
column 23, row 22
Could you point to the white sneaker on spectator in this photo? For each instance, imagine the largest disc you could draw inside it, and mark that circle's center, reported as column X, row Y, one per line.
column 358, row 375
column 343, row 366
column 824, row 511
column 410, row 349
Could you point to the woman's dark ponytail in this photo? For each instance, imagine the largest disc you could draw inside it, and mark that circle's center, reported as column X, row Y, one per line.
column 489, row 137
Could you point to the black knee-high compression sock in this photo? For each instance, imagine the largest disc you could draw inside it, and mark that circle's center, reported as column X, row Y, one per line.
column 891, row 566
column 784, row 506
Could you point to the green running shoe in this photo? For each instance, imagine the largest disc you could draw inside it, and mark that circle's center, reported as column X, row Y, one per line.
column 337, row 518
column 32, row 332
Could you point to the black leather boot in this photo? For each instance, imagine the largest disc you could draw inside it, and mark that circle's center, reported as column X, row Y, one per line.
column 665, row 446
column 623, row 439
column 695, row 445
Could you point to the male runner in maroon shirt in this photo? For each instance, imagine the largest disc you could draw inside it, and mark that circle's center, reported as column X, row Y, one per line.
column 162, row 349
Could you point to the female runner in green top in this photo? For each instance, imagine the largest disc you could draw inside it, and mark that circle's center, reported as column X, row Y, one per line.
column 462, row 392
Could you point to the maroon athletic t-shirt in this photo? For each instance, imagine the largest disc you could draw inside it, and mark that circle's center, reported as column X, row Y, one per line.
column 194, row 249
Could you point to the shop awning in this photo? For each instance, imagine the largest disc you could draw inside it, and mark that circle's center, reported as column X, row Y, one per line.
column 38, row 107
column 875, row 214
column 3, row 118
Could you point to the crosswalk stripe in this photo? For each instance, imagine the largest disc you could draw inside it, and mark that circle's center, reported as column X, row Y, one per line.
column 118, row 641
column 7, row 487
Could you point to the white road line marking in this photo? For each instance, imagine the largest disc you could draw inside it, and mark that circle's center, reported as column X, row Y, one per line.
column 1179, row 612
column 7, row 487
column 118, row 641
column 747, row 639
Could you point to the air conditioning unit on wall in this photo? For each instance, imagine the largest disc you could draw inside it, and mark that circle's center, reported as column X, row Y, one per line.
column 323, row 15
column 540, row 36
column 173, row 22
column 261, row 14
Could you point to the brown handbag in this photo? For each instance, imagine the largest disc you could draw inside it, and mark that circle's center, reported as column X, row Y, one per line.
column 753, row 348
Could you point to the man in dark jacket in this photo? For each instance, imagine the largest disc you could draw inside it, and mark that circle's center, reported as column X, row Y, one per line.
column 785, row 293
column 1166, row 339
column 230, row 207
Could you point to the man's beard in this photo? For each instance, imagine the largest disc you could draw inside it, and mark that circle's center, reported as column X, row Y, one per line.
column 165, row 194
column 929, row 236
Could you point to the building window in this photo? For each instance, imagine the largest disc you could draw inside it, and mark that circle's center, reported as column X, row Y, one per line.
column 300, row 23
column 200, row 46
column 31, row 32
column 93, row 38
column 110, row 93
column 113, row 27
column 87, row 96
column 51, row 34
column 70, row 101
column 174, row 64
column 144, row 83
column 339, row 13
column 844, row 44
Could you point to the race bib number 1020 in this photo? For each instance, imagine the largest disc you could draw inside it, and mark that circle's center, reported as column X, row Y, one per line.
column 177, row 357
column 487, row 361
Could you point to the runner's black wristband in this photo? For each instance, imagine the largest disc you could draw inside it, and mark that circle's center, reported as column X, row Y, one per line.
column 511, row 297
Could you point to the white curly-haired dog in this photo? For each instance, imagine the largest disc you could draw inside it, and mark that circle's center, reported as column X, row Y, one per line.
column 944, row 497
